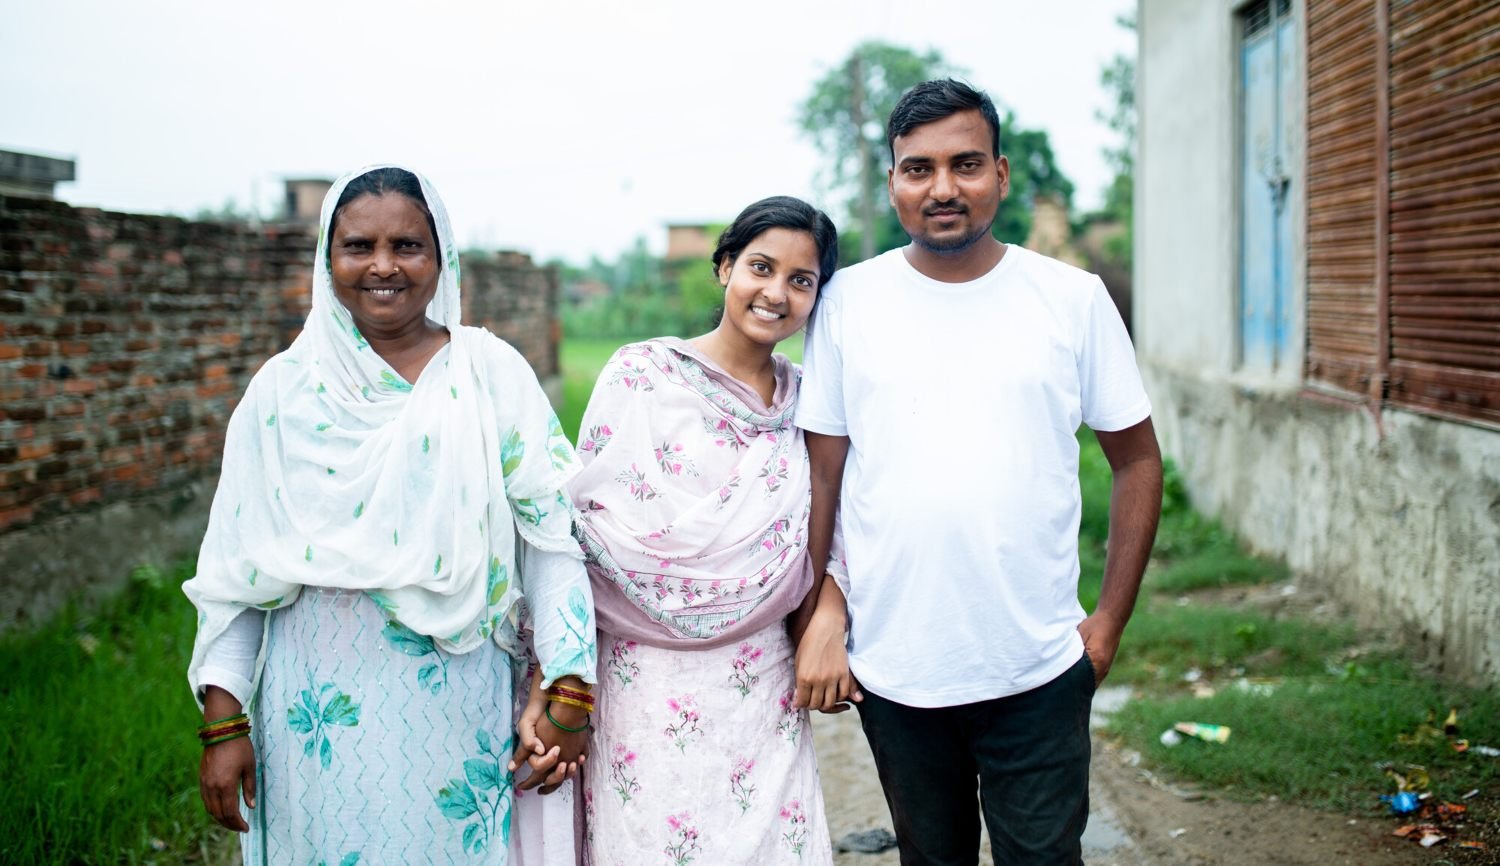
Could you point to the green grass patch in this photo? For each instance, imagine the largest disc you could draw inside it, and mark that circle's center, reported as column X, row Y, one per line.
column 1320, row 740
column 99, row 760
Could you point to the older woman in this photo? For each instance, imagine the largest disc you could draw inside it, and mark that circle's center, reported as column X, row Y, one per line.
column 380, row 478
column 693, row 511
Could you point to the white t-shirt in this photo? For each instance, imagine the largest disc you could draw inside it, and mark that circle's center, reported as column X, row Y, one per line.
column 960, row 502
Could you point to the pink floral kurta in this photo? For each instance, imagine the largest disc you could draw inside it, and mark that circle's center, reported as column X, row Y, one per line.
column 703, row 759
column 692, row 511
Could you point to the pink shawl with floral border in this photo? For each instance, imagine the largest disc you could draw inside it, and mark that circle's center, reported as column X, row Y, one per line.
column 694, row 498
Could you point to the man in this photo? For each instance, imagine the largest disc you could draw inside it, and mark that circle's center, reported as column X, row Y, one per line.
column 951, row 376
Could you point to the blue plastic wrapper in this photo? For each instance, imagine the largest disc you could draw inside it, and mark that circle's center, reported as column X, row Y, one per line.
column 1403, row 803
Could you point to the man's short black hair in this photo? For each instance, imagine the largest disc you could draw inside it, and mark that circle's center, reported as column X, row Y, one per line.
column 935, row 100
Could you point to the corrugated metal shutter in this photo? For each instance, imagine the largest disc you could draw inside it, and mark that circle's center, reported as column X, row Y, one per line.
column 1344, row 348
column 1445, row 207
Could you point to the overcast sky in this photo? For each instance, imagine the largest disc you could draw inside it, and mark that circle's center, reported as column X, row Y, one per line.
column 561, row 129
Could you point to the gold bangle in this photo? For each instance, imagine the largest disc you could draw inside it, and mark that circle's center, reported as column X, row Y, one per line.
column 586, row 706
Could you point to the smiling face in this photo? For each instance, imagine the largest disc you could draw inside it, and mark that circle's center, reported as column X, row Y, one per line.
column 385, row 264
column 946, row 185
column 770, row 287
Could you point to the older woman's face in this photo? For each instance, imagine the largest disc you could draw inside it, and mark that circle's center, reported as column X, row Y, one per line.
column 385, row 264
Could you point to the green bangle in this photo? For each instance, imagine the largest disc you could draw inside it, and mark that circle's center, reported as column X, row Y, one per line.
column 563, row 727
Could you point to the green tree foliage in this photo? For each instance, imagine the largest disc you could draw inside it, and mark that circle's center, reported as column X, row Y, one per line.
column 845, row 116
column 1118, row 80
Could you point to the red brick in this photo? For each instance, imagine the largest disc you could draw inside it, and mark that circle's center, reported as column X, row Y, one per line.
column 40, row 349
column 75, row 349
column 10, row 351
column 33, row 450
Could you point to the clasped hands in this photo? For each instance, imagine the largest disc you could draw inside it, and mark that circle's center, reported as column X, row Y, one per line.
column 824, row 682
column 552, row 754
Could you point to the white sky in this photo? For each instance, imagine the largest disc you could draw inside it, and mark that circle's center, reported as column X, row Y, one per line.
column 561, row 129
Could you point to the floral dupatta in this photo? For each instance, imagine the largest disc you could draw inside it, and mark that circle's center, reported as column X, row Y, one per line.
column 694, row 498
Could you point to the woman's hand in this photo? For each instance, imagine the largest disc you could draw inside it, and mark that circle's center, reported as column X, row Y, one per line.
column 226, row 766
column 824, row 682
column 539, row 746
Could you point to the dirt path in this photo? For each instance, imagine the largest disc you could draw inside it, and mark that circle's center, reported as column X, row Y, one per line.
column 1139, row 820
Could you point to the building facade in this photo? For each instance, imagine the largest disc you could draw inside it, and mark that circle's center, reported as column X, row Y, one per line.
column 1317, row 293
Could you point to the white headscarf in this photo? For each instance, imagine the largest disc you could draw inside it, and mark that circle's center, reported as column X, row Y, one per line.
column 339, row 473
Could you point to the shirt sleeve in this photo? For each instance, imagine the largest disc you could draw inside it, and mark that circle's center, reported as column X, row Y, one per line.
column 229, row 660
column 820, row 401
column 562, row 614
column 1110, row 386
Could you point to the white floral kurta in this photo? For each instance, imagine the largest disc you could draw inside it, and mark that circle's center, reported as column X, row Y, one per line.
column 703, row 760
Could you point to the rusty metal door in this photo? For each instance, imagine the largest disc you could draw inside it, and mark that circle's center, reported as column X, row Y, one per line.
column 1267, row 60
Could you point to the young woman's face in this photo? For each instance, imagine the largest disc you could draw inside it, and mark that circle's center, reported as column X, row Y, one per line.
column 770, row 287
column 384, row 262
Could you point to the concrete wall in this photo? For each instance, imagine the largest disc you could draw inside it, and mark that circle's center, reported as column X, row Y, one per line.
column 125, row 342
column 1398, row 516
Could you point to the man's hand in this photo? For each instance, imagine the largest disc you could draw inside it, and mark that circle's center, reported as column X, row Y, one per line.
column 1101, row 640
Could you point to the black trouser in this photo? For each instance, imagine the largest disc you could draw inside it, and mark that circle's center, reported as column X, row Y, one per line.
column 1029, row 753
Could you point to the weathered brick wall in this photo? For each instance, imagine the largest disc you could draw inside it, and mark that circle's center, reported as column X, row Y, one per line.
column 125, row 341
column 518, row 302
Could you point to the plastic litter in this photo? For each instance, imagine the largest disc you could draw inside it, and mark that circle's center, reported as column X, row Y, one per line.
column 1472, row 794
column 1170, row 738
column 867, row 841
column 1203, row 731
column 1487, row 751
column 1472, row 845
column 1450, row 724
column 1178, row 832
column 1403, row 803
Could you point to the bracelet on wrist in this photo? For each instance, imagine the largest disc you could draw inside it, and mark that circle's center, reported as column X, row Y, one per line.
column 562, row 727
column 586, row 706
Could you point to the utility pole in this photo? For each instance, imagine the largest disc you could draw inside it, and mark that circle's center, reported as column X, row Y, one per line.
column 866, row 168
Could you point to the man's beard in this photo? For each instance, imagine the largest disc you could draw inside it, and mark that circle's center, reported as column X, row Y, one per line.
column 956, row 246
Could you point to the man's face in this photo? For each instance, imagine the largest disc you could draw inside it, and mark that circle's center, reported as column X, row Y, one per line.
column 945, row 184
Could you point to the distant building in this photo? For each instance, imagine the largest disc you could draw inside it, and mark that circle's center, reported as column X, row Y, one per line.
column 27, row 174
column 1317, row 293
column 689, row 241
column 304, row 198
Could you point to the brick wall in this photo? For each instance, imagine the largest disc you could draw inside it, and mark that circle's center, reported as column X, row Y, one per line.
column 125, row 341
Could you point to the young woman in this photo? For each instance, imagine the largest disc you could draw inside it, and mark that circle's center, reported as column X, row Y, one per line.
column 693, row 512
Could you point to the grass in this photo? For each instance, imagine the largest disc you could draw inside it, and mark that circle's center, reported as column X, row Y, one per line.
column 1316, row 716
column 99, row 761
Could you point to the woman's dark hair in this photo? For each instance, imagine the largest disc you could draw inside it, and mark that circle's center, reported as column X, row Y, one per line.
column 378, row 182
column 781, row 212
column 935, row 100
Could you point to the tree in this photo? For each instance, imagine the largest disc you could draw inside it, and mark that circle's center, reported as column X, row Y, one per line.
column 845, row 116
column 1118, row 80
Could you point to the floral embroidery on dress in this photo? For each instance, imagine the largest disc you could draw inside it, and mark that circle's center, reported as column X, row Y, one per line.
column 558, row 449
column 350, row 859
column 574, row 650
column 742, row 678
column 795, row 821
column 314, row 717
column 739, row 783
column 723, row 433
column 621, row 764
column 597, row 437
column 632, row 374
column 512, row 451
column 775, row 535
column 774, row 474
column 635, row 479
column 684, row 840
column 431, row 676
column 685, row 729
column 726, row 490
column 621, row 664
column 482, row 794
column 672, row 459
column 791, row 717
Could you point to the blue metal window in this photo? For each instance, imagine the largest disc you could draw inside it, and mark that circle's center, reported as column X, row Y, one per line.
column 1267, row 60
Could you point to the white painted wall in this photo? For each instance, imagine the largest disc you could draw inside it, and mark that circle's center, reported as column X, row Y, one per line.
column 1400, row 517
